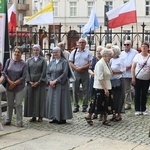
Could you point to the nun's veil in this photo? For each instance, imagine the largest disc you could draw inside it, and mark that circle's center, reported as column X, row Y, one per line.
column 61, row 52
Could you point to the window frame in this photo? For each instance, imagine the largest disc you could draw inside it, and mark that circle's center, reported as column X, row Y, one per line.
column 107, row 3
column 55, row 4
column 89, row 7
column 73, row 9
column 147, row 8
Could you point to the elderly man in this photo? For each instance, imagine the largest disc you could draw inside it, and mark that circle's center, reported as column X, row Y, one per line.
column 80, row 60
column 62, row 46
column 128, row 55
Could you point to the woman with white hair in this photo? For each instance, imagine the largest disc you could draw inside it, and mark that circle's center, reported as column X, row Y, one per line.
column 36, row 86
column 102, row 85
column 118, row 67
column 58, row 103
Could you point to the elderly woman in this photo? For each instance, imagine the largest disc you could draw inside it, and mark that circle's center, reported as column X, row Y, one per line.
column 58, row 103
column 92, row 90
column 140, row 78
column 15, row 73
column 118, row 67
column 102, row 85
column 36, row 86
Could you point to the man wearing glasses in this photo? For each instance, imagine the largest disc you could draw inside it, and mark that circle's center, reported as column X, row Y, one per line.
column 80, row 61
column 128, row 55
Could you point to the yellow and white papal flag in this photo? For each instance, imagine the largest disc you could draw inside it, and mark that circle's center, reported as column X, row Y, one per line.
column 43, row 17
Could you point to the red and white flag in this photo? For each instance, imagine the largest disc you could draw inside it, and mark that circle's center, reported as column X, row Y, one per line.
column 12, row 18
column 125, row 14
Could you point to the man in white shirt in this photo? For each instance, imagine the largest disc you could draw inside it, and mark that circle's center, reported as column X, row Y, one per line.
column 80, row 60
column 128, row 55
column 62, row 46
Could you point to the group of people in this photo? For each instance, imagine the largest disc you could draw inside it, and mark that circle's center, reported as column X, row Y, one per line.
column 113, row 75
column 111, row 72
column 44, row 89
column 45, row 86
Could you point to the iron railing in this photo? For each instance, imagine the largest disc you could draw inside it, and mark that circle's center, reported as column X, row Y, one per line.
column 47, row 39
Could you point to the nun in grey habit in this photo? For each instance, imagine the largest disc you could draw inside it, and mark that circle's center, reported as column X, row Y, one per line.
column 36, row 86
column 58, row 103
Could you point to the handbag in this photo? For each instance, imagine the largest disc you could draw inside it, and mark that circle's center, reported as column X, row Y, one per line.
column 116, row 83
column 5, row 80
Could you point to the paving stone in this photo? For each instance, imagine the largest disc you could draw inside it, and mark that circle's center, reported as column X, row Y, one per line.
column 131, row 128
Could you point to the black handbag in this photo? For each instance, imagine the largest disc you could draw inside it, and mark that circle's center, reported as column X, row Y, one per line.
column 5, row 81
column 116, row 83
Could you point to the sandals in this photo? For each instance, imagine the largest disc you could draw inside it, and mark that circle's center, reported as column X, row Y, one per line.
column 40, row 119
column 94, row 116
column 113, row 119
column 118, row 119
column 33, row 119
column 89, row 121
column 106, row 123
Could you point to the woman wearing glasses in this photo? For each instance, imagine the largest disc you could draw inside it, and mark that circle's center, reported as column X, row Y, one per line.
column 58, row 103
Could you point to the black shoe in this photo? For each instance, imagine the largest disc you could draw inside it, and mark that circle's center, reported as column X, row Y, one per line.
column 61, row 122
column 54, row 121
column 33, row 119
column 76, row 110
column 84, row 110
column 7, row 123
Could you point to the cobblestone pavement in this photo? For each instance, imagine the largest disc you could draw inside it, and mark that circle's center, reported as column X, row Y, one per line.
column 131, row 128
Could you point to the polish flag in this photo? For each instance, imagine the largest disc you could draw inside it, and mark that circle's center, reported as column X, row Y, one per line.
column 12, row 18
column 125, row 14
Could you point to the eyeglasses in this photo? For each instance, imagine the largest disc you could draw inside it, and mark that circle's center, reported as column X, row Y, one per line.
column 144, row 46
column 81, row 42
column 126, row 44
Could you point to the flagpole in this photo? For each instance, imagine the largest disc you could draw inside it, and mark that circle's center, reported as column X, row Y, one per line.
column 137, row 34
column 16, row 37
column 54, row 22
column 54, row 32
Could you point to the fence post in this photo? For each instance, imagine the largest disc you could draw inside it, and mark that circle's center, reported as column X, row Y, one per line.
column 121, row 38
column 143, row 29
column 59, row 37
column 40, row 37
column 100, row 36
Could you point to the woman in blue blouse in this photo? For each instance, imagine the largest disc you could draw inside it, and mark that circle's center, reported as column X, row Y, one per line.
column 93, row 104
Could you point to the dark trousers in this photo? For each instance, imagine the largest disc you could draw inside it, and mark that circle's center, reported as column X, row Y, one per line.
column 141, row 90
column 95, row 103
column 101, row 104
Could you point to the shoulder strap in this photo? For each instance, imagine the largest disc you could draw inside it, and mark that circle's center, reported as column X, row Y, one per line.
column 8, row 63
column 74, row 55
column 142, row 66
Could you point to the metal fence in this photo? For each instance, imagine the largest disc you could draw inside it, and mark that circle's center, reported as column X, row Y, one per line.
column 48, row 39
